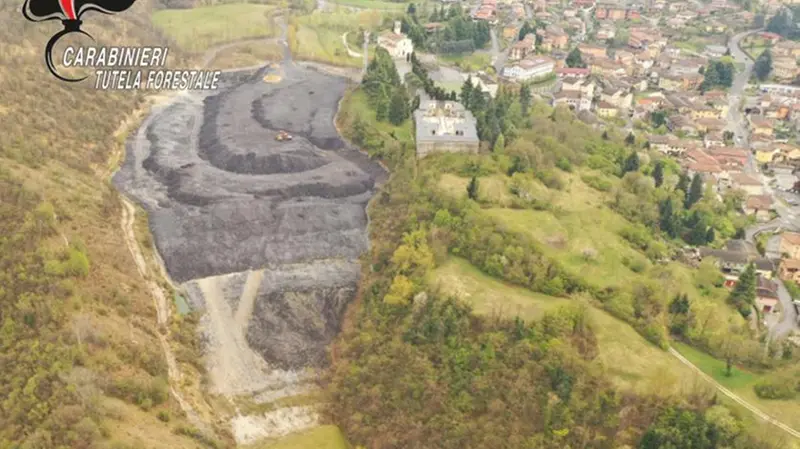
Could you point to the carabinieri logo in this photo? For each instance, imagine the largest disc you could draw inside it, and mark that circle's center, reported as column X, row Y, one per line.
column 69, row 12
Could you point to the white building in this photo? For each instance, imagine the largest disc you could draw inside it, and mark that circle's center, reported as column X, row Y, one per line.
column 529, row 68
column 395, row 42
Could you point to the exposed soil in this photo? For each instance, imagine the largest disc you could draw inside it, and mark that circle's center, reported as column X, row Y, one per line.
column 264, row 236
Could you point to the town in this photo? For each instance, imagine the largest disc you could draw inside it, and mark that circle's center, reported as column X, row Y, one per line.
column 704, row 84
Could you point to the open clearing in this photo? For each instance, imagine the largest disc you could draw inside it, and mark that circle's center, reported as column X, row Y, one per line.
column 632, row 362
column 741, row 383
column 197, row 29
column 580, row 221
column 318, row 36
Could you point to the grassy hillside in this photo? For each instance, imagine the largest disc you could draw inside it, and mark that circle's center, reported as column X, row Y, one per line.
column 557, row 251
column 82, row 364
column 199, row 28
column 632, row 362
column 318, row 36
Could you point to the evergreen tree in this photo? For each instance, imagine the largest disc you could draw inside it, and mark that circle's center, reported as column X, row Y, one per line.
column 763, row 65
column 683, row 183
column 710, row 235
column 658, row 173
column 499, row 144
column 743, row 295
column 381, row 108
column 698, row 233
column 412, row 9
column 695, row 193
column 630, row 139
column 667, row 219
column 525, row 98
column 679, row 304
column 605, row 135
column 679, row 314
column 631, row 162
column 466, row 92
column 575, row 59
column 398, row 108
column 472, row 189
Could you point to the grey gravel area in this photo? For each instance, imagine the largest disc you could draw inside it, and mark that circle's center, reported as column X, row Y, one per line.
column 224, row 197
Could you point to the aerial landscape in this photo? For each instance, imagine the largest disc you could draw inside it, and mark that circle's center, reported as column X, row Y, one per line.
column 393, row 224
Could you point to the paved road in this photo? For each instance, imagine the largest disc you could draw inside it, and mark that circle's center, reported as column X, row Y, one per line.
column 736, row 120
column 788, row 321
column 498, row 57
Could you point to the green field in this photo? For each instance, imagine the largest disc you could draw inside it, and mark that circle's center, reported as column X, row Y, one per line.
column 631, row 361
column 322, row 437
column 355, row 105
column 471, row 62
column 738, row 379
column 197, row 29
column 373, row 4
column 741, row 383
column 318, row 36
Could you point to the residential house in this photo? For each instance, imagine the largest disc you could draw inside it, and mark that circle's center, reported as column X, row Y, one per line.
column 510, row 32
column 606, row 110
column 553, row 38
column 790, row 245
column 786, row 48
column 766, row 295
column 759, row 205
column 396, row 43
column 584, row 86
column 735, row 257
column 605, row 33
column 713, row 139
column 789, row 270
column 767, row 154
column 761, row 125
column 699, row 110
column 730, row 158
column 522, row 48
column 784, row 68
column 589, row 51
column 532, row 67
column 607, row 68
column 572, row 99
column 747, row 183
column 706, row 125
column 681, row 123
column 565, row 72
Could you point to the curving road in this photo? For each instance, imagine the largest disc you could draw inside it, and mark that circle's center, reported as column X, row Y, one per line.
column 736, row 120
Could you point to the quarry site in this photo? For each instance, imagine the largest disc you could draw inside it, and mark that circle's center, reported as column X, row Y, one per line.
column 261, row 234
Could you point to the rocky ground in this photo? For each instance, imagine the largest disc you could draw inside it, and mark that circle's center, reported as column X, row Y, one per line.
column 263, row 235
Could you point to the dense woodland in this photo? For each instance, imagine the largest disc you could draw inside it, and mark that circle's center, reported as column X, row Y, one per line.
column 459, row 33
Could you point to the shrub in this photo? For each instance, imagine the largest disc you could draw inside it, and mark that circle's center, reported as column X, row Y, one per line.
column 163, row 415
column 775, row 389
column 597, row 182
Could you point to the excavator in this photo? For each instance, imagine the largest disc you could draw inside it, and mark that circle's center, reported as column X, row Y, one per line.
column 283, row 136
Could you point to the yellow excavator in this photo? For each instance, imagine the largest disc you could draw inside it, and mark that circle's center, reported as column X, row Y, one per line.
column 283, row 136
